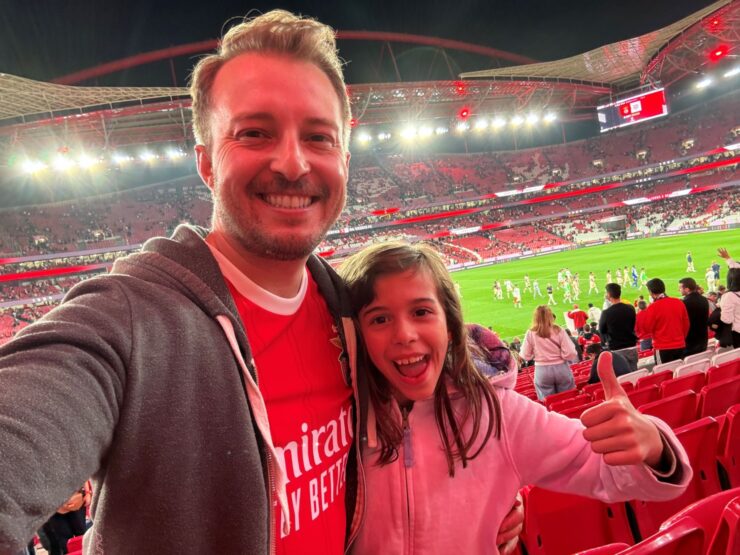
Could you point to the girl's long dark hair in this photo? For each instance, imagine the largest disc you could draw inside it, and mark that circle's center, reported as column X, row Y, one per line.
column 360, row 273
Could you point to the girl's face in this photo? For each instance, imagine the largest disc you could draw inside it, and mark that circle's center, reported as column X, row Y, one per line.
column 405, row 331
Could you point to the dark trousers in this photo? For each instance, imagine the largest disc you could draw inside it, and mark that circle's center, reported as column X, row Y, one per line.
column 61, row 527
column 667, row 355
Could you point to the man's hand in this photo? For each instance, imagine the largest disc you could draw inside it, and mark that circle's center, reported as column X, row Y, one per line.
column 616, row 429
column 74, row 503
column 722, row 252
column 511, row 527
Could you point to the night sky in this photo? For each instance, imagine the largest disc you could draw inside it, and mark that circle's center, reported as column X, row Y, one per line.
column 43, row 39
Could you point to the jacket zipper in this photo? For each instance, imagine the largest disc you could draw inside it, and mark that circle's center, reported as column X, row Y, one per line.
column 408, row 462
column 271, row 529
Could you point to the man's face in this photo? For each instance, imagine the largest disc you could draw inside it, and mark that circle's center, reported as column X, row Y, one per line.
column 682, row 290
column 276, row 165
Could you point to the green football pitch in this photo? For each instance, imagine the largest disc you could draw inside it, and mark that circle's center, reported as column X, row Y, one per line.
column 663, row 257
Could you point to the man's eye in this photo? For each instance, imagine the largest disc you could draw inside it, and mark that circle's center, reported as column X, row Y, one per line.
column 251, row 134
column 323, row 140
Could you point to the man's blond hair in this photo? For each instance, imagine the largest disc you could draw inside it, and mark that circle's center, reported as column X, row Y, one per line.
column 276, row 32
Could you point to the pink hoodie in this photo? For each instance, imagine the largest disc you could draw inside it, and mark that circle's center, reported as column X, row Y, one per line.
column 413, row 506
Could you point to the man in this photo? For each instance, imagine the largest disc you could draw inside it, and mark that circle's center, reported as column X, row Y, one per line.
column 550, row 296
column 697, row 308
column 579, row 318
column 592, row 283
column 666, row 321
column 709, row 276
column 689, row 262
column 527, row 283
column 517, row 294
column 617, row 325
column 716, row 268
column 593, row 351
column 643, row 278
column 207, row 383
column 536, row 289
column 712, row 300
column 594, row 313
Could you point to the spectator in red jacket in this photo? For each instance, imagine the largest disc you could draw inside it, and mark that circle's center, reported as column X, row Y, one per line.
column 579, row 318
column 666, row 321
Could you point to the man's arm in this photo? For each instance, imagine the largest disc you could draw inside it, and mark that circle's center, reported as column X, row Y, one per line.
column 61, row 385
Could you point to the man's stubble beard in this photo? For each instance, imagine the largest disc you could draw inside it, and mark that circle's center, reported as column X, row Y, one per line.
column 251, row 238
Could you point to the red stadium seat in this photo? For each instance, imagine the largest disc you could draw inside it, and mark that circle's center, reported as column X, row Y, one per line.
column 682, row 538
column 720, row 396
column 548, row 514
column 74, row 544
column 644, row 395
column 577, row 401
column 592, row 388
column 557, row 397
column 723, row 371
column 576, row 412
column 608, row 549
column 656, row 378
column 726, row 540
column 675, row 410
column 699, row 439
column 706, row 513
column 692, row 382
column 728, row 453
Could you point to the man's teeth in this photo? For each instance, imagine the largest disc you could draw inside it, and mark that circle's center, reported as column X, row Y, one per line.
column 288, row 201
column 413, row 360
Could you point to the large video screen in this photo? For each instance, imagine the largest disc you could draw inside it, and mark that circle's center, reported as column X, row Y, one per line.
column 634, row 109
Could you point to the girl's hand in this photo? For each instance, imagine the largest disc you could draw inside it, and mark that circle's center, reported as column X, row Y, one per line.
column 616, row 429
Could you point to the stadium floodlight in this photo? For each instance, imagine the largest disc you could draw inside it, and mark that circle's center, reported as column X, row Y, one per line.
column 550, row 117
column 147, row 156
column 86, row 161
column 120, row 158
column 425, row 131
column 498, row 122
column 363, row 138
column 62, row 163
column 532, row 118
column 441, row 130
column 517, row 120
column 704, row 83
column 32, row 166
column 481, row 124
column 384, row 136
column 462, row 127
column 175, row 153
column 734, row 71
column 408, row 132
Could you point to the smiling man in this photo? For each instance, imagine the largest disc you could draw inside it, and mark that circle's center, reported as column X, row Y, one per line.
column 207, row 383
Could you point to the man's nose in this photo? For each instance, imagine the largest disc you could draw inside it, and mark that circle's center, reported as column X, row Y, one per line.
column 289, row 159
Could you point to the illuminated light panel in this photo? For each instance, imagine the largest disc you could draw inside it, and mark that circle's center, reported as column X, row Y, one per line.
column 62, row 163
column 719, row 52
column 441, row 130
column 532, row 119
column 481, row 124
column 498, row 123
column 734, row 71
column 384, row 136
column 175, row 154
column 508, row 193
column 408, row 132
column 639, row 200
column 364, row 138
column 119, row 158
column 462, row 127
column 704, row 83
column 733, row 146
column 32, row 166
column 550, row 117
column 517, row 120
column 147, row 156
column 533, row 188
column 85, row 161
column 425, row 131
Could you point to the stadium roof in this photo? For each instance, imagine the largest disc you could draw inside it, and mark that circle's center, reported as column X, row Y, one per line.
column 34, row 114
column 620, row 65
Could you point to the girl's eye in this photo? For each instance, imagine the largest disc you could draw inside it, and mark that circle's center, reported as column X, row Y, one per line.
column 378, row 320
column 422, row 312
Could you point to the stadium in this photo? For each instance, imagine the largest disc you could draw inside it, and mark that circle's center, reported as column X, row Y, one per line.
column 618, row 161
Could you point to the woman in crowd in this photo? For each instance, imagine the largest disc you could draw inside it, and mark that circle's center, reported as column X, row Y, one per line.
column 551, row 349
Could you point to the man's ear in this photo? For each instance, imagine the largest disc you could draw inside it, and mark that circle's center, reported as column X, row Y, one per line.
column 204, row 166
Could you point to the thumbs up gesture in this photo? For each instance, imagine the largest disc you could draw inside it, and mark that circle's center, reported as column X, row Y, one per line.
column 616, row 429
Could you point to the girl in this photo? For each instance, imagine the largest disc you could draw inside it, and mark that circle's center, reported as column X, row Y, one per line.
column 444, row 451
column 551, row 348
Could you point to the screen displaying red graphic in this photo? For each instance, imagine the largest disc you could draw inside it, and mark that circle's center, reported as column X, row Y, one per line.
column 649, row 105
